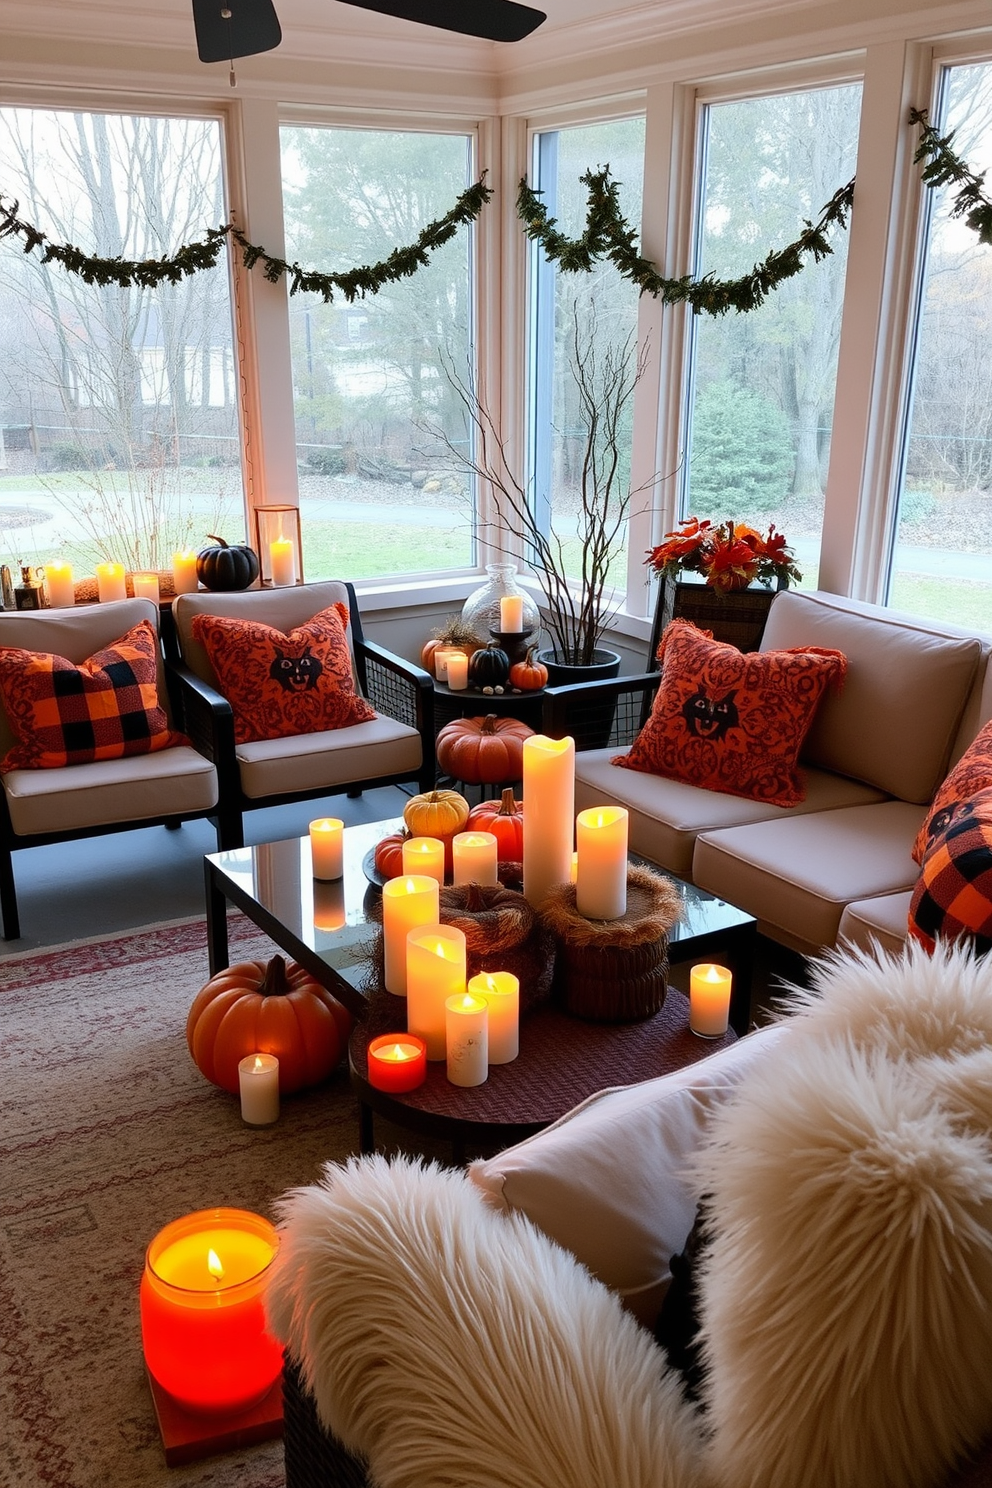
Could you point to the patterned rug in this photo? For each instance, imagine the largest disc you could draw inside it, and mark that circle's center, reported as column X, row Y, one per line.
column 107, row 1132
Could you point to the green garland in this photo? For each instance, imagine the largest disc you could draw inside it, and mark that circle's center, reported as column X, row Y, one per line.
column 946, row 169
column 146, row 273
column 609, row 235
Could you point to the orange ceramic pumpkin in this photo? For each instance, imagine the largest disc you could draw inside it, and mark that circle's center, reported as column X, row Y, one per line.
column 483, row 751
column 529, row 675
column 388, row 856
column 259, row 1008
column 505, row 819
column 427, row 654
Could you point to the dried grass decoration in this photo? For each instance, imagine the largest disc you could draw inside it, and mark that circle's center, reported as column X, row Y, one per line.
column 614, row 971
column 502, row 933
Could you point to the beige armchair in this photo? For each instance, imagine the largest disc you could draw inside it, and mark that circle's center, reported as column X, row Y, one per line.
column 40, row 806
column 396, row 746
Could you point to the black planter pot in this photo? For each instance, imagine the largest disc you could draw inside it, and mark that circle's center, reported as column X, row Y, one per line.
column 594, row 720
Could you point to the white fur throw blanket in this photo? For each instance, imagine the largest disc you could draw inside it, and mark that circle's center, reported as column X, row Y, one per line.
column 847, row 1294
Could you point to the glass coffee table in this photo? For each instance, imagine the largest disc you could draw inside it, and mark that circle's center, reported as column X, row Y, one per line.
column 328, row 928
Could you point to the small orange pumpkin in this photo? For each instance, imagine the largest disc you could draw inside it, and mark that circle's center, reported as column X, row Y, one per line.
column 505, row 819
column 267, row 1008
column 529, row 675
column 427, row 654
column 483, row 751
column 388, row 855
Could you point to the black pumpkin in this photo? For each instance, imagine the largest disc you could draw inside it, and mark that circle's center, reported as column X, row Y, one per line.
column 488, row 667
column 226, row 566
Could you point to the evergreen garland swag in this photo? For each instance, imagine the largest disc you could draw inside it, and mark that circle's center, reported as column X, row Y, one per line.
column 146, row 273
column 945, row 168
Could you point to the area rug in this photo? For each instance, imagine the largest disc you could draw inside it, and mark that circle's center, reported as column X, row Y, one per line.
column 107, row 1132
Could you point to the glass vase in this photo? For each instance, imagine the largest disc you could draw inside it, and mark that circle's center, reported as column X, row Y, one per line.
column 481, row 609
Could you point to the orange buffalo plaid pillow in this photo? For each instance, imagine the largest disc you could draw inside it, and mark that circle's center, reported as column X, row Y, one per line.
column 953, row 894
column 731, row 721
column 63, row 714
column 972, row 773
column 277, row 684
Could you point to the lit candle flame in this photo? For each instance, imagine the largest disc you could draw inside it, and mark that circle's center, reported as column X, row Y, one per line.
column 258, row 1065
column 214, row 1265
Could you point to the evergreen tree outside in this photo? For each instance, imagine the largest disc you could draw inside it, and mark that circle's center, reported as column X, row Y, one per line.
column 742, row 456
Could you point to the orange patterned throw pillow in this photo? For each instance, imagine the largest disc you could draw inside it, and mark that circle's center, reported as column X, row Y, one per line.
column 731, row 721
column 63, row 714
column 971, row 774
column 279, row 685
column 953, row 894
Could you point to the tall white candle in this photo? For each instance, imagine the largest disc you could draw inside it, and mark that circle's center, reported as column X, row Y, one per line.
column 145, row 586
column 258, row 1082
column 424, row 855
column 282, row 558
column 549, row 812
column 184, row 578
column 406, row 902
column 511, row 613
column 111, row 583
column 61, row 587
column 457, row 670
column 466, row 1033
column 601, row 869
column 474, row 859
column 501, row 990
column 327, row 847
column 435, row 971
column 709, row 999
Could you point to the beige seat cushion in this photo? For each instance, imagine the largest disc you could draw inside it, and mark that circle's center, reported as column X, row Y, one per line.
column 284, row 609
column 666, row 815
column 311, row 762
column 169, row 783
column 797, row 876
column 880, row 921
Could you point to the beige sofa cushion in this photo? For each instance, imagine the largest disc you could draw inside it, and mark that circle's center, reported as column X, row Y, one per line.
column 879, row 921
column 310, row 762
column 797, row 876
column 169, row 783
column 284, row 609
column 896, row 719
column 665, row 816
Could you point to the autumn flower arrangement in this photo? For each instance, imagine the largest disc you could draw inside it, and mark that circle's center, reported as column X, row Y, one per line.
column 729, row 555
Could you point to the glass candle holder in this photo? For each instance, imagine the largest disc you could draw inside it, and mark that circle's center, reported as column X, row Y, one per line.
column 279, row 544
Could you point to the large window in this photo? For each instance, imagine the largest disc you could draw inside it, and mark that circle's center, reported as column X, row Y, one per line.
column 762, row 383
column 118, row 407
column 942, row 561
column 370, row 377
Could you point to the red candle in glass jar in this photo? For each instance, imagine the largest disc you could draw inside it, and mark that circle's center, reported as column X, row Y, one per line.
column 202, row 1319
column 397, row 1062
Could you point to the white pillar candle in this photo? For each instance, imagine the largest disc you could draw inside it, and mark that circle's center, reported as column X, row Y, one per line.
column 424, row 855
column 406, row 902
column 549, row 813
column 511, row 613
column 282, row 559
column 327, row 847
column 435, row 971
column 258, row 1081
column 457, row 670
column 184, row 578
column 466, row 1023
column 441, row 664
column 111, row 583
column 501, row 990
column 145, row 586
column 709, row 999
column 61, row 587
column 474, row 859
column 601, row 870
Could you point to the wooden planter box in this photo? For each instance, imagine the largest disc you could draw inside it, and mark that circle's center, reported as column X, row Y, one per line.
column 737, row 619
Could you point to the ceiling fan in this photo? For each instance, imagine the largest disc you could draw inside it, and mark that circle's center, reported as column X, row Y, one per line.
column 226, row 29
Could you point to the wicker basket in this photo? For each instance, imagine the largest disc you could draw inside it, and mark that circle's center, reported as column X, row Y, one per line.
column 614, row 971
column 738, row 618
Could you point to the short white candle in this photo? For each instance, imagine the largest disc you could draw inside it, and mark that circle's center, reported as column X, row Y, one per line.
column 408, row 901
column 466, row 1021
column 501, row 990
column 601, row 870
column 145, row 586
column 457, row 670
column 327, row 847
column 184, row 578
column 282, row 558
column 511, row 613
column 61, row 587
column 709, row 999
column 549, row 814
column 111, row 583
column 441, row 663
column 474, row 859
column 435, row 971
column 258, row 1081
column 424, row 855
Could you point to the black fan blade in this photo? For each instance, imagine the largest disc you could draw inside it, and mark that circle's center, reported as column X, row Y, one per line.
column 250, row 26
column 496, row 20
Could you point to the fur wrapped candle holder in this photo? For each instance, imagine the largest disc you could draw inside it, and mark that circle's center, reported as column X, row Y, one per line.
column 614, row 971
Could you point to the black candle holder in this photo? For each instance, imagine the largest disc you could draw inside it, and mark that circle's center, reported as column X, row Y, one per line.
column 513, row 642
